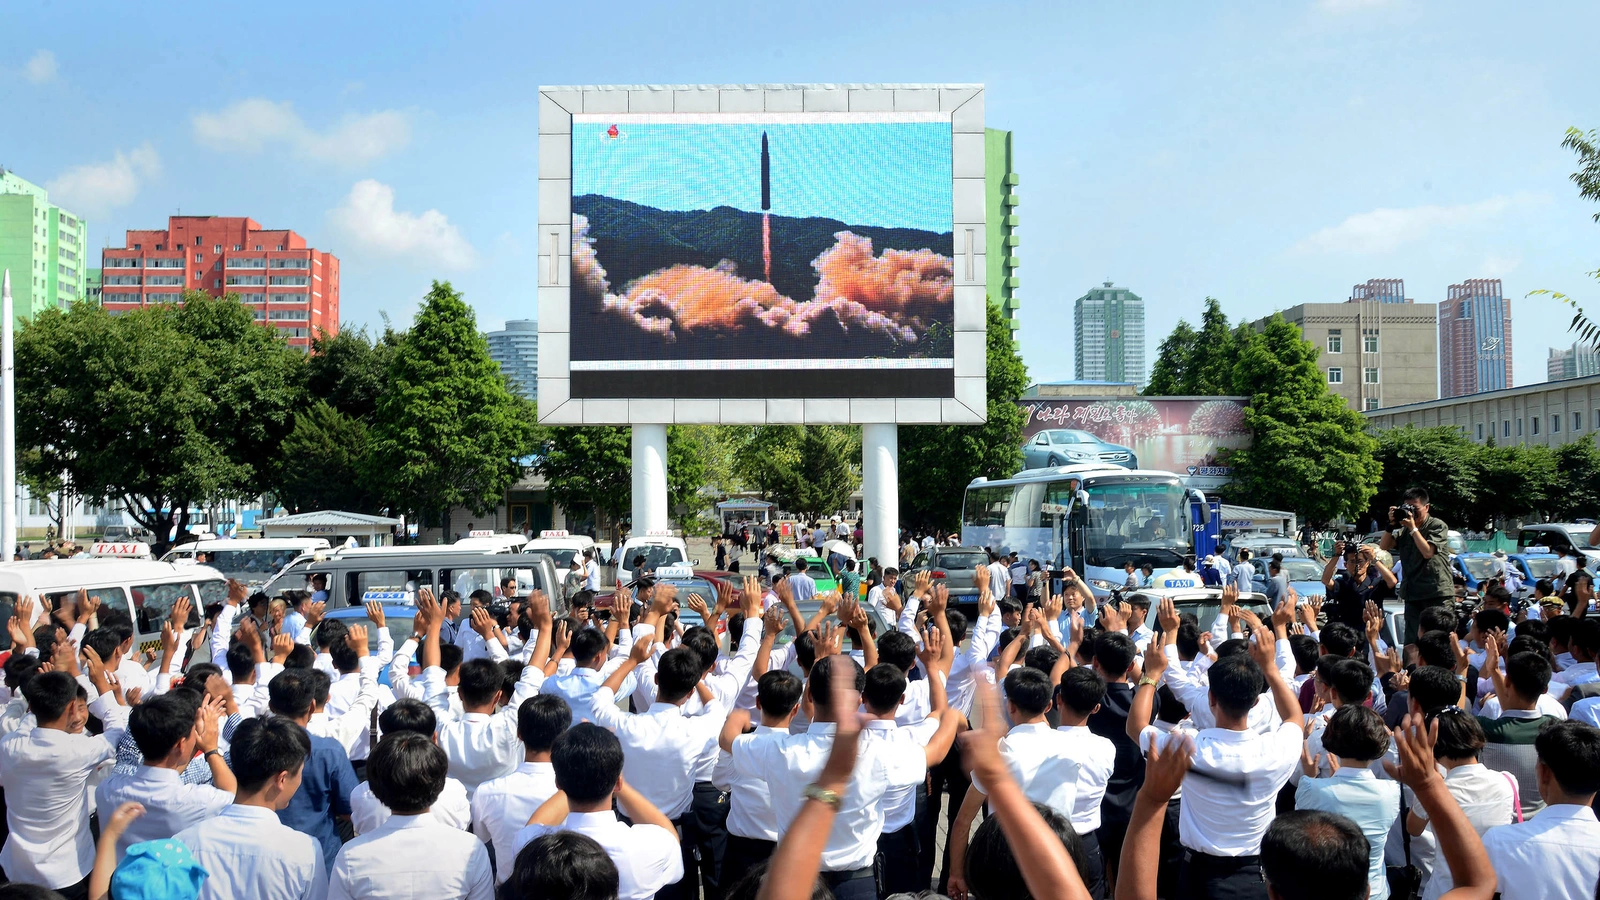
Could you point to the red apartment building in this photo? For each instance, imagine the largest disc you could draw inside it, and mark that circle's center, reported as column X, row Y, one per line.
column 291, row 287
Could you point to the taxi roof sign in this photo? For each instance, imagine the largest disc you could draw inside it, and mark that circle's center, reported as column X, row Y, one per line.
column 659, row 532
column 481, row 532
column 554, row 533
column 125, row 549
column 675, row 571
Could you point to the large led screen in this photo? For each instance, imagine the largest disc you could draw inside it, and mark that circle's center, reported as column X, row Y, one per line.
column 762, row 256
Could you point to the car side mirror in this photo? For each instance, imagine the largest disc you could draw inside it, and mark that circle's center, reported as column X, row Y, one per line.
column 694, row 562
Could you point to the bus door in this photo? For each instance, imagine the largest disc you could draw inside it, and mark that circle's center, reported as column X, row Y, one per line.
column 1206, row 535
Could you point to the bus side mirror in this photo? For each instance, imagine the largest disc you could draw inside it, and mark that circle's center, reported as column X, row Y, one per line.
column 1082, row 496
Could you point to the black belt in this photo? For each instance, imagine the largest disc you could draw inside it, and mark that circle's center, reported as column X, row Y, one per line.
column 833, row 878
column 1211, row 861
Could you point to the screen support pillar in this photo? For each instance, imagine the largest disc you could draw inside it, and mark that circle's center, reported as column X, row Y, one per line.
column 880, row 493
column 649, row 478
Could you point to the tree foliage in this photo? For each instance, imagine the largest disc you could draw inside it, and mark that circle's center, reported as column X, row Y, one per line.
column 322, row 463
column 447, row 430
column 350, row 370
column 807, row 470
column 160, row 409
column 590, row 465
column 1587, row 178
column 937, row 462
column 1172, row 362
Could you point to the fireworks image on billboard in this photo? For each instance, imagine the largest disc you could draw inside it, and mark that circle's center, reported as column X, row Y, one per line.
column 712, row 240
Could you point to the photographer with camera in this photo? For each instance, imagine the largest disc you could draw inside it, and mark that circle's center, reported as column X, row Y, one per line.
column 1419, row 542
column 1364, row 579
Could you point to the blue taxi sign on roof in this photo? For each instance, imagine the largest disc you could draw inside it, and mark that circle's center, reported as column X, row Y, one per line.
column 386, row 595
column 1535, row 548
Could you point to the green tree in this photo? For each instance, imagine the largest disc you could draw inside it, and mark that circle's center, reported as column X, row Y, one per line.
column 1172, row 361
column 686, row 472
column 591, row 465
column 350, row 370
column 937, row 462
column 447, row 430
column 1576, row 490
column 1587, row 178
column 323, row 463
column 160, row 409
column 1310, row 451
column 1439, row 460
column 1511, row 481
column 1210, row 369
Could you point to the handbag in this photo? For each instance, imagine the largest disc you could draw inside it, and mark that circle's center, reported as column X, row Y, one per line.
column 1405, row 882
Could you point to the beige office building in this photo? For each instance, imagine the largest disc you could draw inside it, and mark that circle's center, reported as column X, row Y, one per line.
column 1548, row 414
column 1373, row 354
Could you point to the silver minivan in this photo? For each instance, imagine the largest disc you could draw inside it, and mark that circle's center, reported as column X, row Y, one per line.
column 396, row 577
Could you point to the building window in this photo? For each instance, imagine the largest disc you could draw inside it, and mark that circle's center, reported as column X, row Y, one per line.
column 137, row 247
column 199, row 274
column 1335, row 340
column 1369, row 342
column 1372, row 403
column 216, row 248
column 1535, row 421
column 238, row 246
column 258, row 246
column 1480, row 431
column 199, row 258
column 280, row 246
column 216, row 282
column 1505, row 428
column 1336, row 375
column 1577, row 421
column 1555, row 423
column 1370, row 375
column 1519, row 427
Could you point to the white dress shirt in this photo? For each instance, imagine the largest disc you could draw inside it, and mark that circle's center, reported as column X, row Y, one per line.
column 1485, row 797
column 482, row 746
column 1232, row 785
column 750, row 813
column 1556, row 853
column 170, row 806
column 1546, row 705
column 792, row 762
column 133, row 676
column 15, row 717
column 250, row 855
column 45, row 773
column 451, row 810
column 661, row 747
column 578, row 686
column 999, row 580
column 1041, row 761
column 1371, row 802
column 502, row 806
column 412, row 858
column 648, row 857
column 1096, row 757
column 1192, row 687
column 351, row 699
column 900, row 801
column 961, row 685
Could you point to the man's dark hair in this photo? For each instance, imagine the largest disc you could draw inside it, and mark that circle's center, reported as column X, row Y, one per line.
column 1586, row 636
column 677, row 673
column 264, row 746
column 1339, row 639
column 301, row 657
column 1115, row 653
column 1571, row 751
column 1313, row 855
column 1437, row 648
column 1536, row 629
column 1233, row 647
column 1529, row 673
column 1351, row 679
column 891, row 572
column 1188, row 637
column 587, row 644
column 20, row 668
column 898, row 649
column 820, row 684
column 1030, row 690
column 1082, row 689
column 1460, row 735
column 1433, row 687
column 16, row 890
column 1436, row 618
column 1011, row 606
column 450, row 656
column 704, row 643
column 562, row 864
column 162, row 722
column 1356, row 732
column 958, row 626
column 321, row 684
column 407, row 772
column 884, row 689
column 290, row 693
column 778, row 692
column 1417, row 495
column 330, row 633
column 103, row 641
column 408, row 714
column 345, row 658
column 1236, row 684
column 241, row 662
column 50, row 693
column 481, row 682
column 1488, row 620
column 1042, row 657
column 118, row 622
column 540, row 720
column 587, row 760
column 1305, row 650
column 992, row 869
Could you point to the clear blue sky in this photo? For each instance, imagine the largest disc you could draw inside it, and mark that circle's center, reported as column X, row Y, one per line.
column 889, row 174
column 1266, row 154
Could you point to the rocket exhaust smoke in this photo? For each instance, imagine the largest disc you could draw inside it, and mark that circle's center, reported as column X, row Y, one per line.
column 766, row 208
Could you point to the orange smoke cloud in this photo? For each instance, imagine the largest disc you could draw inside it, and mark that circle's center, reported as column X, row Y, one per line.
column 897, row 294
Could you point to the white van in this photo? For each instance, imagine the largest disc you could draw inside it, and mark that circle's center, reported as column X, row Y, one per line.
column 560, row 546
column 252, row 561
column 491, row 541
column 658, row 549
column 143, row 589
column 295, row 576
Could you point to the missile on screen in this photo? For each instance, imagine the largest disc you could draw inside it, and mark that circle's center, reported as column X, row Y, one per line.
column 766, row 175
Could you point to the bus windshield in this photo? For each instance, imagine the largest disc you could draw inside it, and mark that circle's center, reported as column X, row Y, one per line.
column 1141, row 521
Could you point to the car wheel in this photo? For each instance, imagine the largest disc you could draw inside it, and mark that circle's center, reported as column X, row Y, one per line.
column 1054, row 461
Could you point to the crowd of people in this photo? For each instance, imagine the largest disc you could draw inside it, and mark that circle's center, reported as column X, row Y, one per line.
column 1042, row 744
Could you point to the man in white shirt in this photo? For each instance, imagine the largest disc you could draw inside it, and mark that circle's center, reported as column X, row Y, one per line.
column 753, row 828
column 589, row 650
column 169, row 729
column 1556, row 853
column 45, row 772
column 1236, row 771
column 1017, row 570
column 247, row 852
column 591, row 568
column 1585, row 646
column 357, row 676
column 452, row 809
column 412, row 855
column 501, row 807
column 587, row 761
column 891, row 577
column 999, row 576
column 802, row 584
column 791, row 763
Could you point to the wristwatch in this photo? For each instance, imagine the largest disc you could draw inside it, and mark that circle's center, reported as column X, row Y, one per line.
column 823, row 795
column 1148, row 680
column 210, row 753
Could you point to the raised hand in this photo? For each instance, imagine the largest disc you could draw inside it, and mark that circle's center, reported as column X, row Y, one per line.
column 641, row 651
column 830, row 602
column 1249, row 618
column 1155, row 660
column 282, row 644
column 1414, row 741
column 698, row 604
column 375, row 613
column 938, row 600
column 539, row 608
column 236, row 592
column 919, row 584
column 662, row 596
column 178, row 616
column 1261, row 650
column 980, row 577
column 120, row 820
column 1283, row 616
column 929, row 653
column 356, row 639
column 87, row 605
column 208, row 724
column 561, row 639
column 1164, row 768
column 724, row 596
column 1168, row 616
column 315, row 612
column 772, row 620
column 93, row 662
column 482, row 622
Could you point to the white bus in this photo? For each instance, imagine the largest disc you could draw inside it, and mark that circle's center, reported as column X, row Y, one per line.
column 1095, row 517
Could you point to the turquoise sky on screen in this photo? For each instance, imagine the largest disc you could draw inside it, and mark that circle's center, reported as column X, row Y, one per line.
column 888, row 174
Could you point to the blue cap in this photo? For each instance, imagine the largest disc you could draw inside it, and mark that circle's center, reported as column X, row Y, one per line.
column 158, row 870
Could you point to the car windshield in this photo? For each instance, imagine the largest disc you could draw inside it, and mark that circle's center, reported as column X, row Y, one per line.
column 655, row 556
column 1479, row 567
column 809, row 609
column 1579, row 534
column 960, row 560
column 1302, row 570
column 250, row 566
column 1138, row 521
column 1071, row 437
column 1205, row 611
column 1543, row 568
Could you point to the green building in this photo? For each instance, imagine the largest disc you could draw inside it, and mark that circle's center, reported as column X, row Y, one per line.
column 45, row 247
column 1000, row 231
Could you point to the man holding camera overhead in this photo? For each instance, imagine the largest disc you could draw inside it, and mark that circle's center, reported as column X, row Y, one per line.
column 1419, row 542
